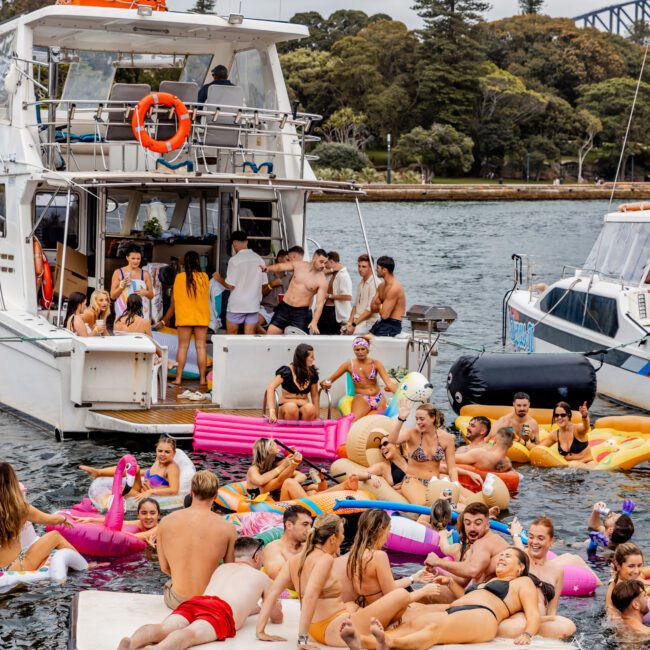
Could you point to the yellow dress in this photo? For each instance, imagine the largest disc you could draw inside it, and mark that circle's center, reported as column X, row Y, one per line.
column 192, row 310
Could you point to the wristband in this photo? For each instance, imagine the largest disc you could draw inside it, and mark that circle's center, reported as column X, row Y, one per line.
column 409, row 588
column 402, row 420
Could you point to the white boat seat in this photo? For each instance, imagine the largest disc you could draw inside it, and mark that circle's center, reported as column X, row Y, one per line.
column 187, row 92
column 119, row 117
column 223, row 132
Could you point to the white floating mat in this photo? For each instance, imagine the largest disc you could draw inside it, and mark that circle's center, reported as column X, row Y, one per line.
column 102, row 618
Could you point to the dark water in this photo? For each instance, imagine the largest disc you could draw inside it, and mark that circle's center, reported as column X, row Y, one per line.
column 455, row 254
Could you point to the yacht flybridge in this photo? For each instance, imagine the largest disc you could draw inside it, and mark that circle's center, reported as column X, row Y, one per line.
column 82, row 167
column 602, row 310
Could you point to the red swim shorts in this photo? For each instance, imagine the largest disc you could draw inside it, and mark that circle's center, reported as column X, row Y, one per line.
column 211, row 609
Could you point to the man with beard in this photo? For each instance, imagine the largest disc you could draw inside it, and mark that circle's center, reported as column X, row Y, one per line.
column 480, row 549
column 524, row 426
column 493, row 457
column 478, row 431
column 629, row 598
column 389, row 301
column 297, row 524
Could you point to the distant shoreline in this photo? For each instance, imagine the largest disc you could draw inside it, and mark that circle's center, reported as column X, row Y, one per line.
column 493, row 192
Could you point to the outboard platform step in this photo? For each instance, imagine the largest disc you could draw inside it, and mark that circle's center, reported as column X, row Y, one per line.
column 100, row 619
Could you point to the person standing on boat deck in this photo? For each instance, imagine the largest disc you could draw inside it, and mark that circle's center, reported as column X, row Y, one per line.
column 297, row 522
column 219, row 78
column 339, row 295
column 428, row 444
column 244, row 280
column 271, row 292
column 525, row 427
column 191, row 305
column 389, row 301
column 480, row 550
column 231, row 596
column 131, row 279
column 193, row 542
column 361, row 317
column 308, row 280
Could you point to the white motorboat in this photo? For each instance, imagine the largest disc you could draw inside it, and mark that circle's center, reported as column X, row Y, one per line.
column 74, row 177
column 601, row 310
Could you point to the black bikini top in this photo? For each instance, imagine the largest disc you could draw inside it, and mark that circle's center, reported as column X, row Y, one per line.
column 547, row 589
column 498, row 588
column 289, row 383
column 576, row 447
column 397, row 474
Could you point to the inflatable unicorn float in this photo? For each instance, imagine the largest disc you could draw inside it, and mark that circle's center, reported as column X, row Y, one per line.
column 108, row 536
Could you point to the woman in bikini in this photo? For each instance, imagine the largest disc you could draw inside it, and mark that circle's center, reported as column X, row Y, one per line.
column 394, row 466
column 15, row 512
column 548, row 578
column 74, row 321
column 365, row 572
column 162, row 479
column 427, row 445
column 299, row 382
column 322, row 609
column 473, row 618
column 364, row 371
column 131, row 279
column 572, row 440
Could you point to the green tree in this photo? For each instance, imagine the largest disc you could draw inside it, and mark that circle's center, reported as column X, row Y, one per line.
column 591, row 126
column 639, row 32
column 345, row 126
column 10, row 8
column 336, row 155
column 451, row 55
column 531, row 6
column 203, row 7
column 436, row 151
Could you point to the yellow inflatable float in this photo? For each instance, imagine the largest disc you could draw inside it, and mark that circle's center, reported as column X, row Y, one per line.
column 362, row 450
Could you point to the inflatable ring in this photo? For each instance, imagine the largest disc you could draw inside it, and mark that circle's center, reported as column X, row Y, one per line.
column 55, row 568
column 43, row 272
column 182, row 115
column 510, row 478
column 361, row 438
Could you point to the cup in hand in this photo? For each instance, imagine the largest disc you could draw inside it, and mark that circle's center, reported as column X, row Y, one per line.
column 101, row 326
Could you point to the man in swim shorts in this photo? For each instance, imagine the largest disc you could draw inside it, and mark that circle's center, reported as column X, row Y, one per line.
column 389, row 301
column 308, row 280
column 630, row 599
column 297, row 522
column 524, row 426
column 478, row 563
column 490, row 456
column 230, row 597
column 193, row 542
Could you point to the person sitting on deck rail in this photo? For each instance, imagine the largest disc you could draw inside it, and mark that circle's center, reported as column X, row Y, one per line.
column 219, row 78
column 389, row 301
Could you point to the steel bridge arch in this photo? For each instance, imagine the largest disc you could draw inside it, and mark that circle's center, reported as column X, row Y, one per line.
column 617, row 19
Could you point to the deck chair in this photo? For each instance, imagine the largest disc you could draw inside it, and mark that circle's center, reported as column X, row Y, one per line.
column 187, row 92
column 119, row 116
column 223, row 131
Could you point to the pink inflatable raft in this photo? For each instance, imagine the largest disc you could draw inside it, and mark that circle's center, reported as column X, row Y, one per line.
column 235, row 434
column 109, row 538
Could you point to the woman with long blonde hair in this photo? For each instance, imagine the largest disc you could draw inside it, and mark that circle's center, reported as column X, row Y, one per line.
column 322, row 608
column 15, row 512
column 365, row 572
column 98, row 309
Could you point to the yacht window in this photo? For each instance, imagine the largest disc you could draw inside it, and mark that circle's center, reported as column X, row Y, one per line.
column 597, row 313
column 196, row 68
column 6, row 48
column 601, row 315
column 247, row 71
column 52, row 209
column 3, row 212
column 91, row 78
column 638, row 254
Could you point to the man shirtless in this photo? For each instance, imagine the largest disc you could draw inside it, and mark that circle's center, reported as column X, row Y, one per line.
column 230, row 597
column 524, row 426
column 193, row 542
column 297, row 524
column 308, row 280
column 630, row 599
column 478, row 431
column 479, row 562
column 491, row 456
column 389, row 301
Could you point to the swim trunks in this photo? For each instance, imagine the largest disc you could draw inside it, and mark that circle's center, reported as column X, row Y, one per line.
column 386, row 327
column 212, row 610
column 239, row 318
column 285, row 316
column 327, row 324
column 172, row 599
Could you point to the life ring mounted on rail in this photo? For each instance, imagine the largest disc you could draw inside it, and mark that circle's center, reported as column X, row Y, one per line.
column 633, row 207
column 182, row 115
column 44, row 283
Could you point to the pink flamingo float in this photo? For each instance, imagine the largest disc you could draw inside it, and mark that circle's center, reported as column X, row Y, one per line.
column 109, row 538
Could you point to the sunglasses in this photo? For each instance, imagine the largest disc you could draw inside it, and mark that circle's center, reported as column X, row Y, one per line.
column 560, row 415
column 384, row 444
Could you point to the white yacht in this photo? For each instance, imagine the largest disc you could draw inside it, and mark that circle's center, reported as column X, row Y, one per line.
column 74, row 178
column 602, row 309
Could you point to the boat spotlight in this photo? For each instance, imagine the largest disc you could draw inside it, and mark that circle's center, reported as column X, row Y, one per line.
column 145, row 10
column 236, row 19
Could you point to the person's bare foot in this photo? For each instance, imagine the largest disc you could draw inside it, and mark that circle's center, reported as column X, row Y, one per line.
column 377, row 630
column 125, row 644
column 349, row 635
column 176, row 383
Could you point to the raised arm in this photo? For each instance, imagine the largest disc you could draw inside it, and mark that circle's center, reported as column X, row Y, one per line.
column 397, row 435
column 282, row 582
column 584, row 427
column 281, row 267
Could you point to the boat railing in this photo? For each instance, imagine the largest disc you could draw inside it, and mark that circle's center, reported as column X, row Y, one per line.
column 222, row 138
column 591, row 273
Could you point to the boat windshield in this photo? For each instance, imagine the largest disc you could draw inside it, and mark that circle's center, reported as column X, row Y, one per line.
column 621, row 252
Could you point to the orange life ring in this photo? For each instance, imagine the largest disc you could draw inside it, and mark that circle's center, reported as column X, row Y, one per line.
column 182, row 115
column 633, row 207
column 44, row 283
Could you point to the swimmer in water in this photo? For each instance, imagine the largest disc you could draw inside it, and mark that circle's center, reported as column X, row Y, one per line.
column 627, row 564
column 162, row 479
column 631, row 601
